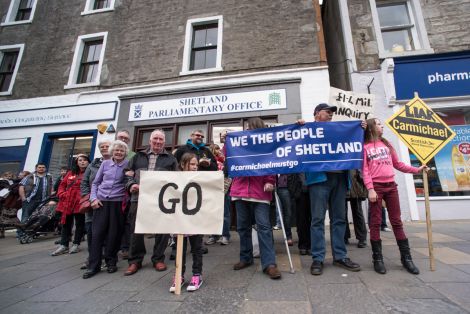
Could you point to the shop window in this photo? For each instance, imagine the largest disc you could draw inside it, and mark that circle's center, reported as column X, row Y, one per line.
column 20, row 12
column 98, row 6
column 450, row 168
column 87, row 61
column 10, row 57
column 399, row 27
column 65, row 148
column 203, row 46
column 13, row 154
column 178, row 134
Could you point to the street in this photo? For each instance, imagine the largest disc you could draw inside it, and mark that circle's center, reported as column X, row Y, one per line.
column 32, row 281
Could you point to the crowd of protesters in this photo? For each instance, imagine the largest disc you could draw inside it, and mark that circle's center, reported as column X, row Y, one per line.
column 109, row 186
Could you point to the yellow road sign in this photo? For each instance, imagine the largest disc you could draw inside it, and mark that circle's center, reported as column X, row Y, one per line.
column 421, row 129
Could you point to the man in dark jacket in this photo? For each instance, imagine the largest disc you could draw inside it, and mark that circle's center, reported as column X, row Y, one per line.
column 196, row 146
column 154, row 158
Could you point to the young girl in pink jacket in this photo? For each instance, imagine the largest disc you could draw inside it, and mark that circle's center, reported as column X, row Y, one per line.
column 380, row 159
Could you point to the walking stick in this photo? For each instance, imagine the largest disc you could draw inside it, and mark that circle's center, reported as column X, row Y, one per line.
column 278, row 208
column 179, row 262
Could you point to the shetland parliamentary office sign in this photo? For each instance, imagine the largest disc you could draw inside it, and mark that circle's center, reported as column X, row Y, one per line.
column 316, row 146
column 208, row 104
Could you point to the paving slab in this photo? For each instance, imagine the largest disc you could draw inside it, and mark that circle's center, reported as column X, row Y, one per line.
column 423, row 306
column 149, row 307
column 438, row 237
column 269, row 307
column 448, row 255
column 456, row 292
column 291, row 287
column 96, row 302
column 213, row 301
column 14, row 295
column 73, row 289
column 343, row 298
column 27, row 307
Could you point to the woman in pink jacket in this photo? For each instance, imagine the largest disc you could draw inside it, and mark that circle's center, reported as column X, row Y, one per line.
column 252, row 196
column 380, row 158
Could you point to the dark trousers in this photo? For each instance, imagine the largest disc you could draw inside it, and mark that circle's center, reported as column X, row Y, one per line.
column 358, row 220
column 137, row 245
column 384, row 218
column 108, row 222
column 286, row 209
column 126, row 234
column 67, row 229
column 303, row 216
column 389, row 193
column 196, row 247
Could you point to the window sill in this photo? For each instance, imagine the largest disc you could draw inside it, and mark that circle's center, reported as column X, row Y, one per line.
column 201, row 71
column 384, row 55
column 97, row 11
column 443, row 198
column 71, row 86
column 16, row 23
column 7, row 93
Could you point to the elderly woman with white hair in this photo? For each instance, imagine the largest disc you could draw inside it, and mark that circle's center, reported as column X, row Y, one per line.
column 107, row 200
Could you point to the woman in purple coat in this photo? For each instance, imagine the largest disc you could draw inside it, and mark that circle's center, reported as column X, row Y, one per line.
column 107, row 199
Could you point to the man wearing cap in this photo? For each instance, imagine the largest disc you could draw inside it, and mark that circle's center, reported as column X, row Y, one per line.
column 327, row 191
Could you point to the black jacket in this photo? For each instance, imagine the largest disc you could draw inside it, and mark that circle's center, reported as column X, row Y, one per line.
column 140, row 161
column 200, row 152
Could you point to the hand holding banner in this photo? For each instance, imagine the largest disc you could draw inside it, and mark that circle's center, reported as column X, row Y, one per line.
column 317, row 146
column 178, row 202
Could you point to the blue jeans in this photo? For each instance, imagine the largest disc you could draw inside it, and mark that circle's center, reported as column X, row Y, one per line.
column 286, row 208
column 328, row 195
column 245, row 211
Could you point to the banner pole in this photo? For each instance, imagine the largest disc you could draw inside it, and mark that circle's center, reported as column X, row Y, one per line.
column 279, row 211
column 428, row 220
column 179, row 261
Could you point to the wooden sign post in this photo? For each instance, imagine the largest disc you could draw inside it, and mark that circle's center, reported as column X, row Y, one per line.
column 425, row 134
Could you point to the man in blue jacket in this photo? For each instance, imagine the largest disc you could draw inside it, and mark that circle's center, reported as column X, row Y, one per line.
column 328, row 192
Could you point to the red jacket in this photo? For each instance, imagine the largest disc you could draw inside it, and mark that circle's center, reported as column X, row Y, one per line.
column 69, row 195
column 252, row 187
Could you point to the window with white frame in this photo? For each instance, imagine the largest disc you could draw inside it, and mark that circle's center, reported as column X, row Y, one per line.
column 399, row 26
column 87, row 60
column 98, row 6
column 203, row 45
column 10, row 57
column 20, row 12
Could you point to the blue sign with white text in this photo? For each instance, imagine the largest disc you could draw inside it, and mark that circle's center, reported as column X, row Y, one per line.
column 444, row 75
column 293, row 148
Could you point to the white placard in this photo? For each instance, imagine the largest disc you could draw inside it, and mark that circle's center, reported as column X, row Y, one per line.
column 351, row 106
column 67, row 114
column 165, row 207
column 210, row 104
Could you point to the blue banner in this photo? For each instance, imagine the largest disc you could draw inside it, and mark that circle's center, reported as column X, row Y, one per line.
column 293, row 148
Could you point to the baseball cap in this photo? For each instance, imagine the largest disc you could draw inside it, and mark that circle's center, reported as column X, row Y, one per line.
column 324, row 106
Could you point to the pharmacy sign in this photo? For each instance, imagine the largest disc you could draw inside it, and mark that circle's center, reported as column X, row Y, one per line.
column 421, row 129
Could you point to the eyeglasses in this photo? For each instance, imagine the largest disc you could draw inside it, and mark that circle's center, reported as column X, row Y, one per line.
column 198, row 135
column 123, row 138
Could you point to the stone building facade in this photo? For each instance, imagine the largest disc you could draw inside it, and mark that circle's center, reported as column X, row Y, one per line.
column 83, row 63
column 393, row 49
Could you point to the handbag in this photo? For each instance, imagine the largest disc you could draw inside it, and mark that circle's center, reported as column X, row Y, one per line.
column 84, row 204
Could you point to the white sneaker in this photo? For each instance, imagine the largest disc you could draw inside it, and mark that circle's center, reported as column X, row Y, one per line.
column 224, row 241
column 173, row 286
column 62, row 249
column 195, row 283
column 74, row 249
column 386, row 229
column 210, row 241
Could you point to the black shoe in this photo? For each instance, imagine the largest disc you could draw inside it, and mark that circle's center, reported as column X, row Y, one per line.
column 303, row 251
column 90, row 273
column 361, row 244
column 112, row 269
column 346, row 241
column 346, row 263
column 205, row 250
column 316, row 268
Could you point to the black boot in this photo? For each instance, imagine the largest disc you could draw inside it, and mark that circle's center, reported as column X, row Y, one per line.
column 406, row 259
column 377, row 257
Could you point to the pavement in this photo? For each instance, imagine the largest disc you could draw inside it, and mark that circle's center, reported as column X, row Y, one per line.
column 32, row 281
